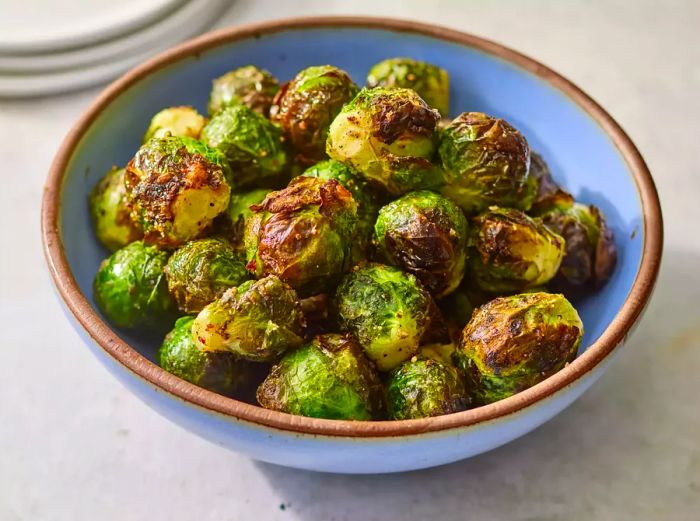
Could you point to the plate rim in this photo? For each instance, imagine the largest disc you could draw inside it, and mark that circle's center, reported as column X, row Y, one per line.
column 120, row 351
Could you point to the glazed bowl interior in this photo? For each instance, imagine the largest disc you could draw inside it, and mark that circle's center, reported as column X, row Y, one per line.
column 582, row 155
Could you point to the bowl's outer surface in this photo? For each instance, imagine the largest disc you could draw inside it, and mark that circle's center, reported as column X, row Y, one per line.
column 581, row 154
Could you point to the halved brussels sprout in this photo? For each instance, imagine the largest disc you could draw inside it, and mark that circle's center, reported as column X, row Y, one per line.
column 220, row 372
column 176, row 187
column 305, row 107
column 255, row 88
column 239, row 212
column 303, row 234
column 431, row 82
column 387, row 310
column 364, row 195
column 110, row 213
column 200, row 271
column 258, row 320
column 327, row 378
column 176, row 121
column 251, row 144
column 388, row 135
column 425, row 387
column 510, row 251
column 487, row 162
column 424, row 234
column 130, row 286
column 513, row 343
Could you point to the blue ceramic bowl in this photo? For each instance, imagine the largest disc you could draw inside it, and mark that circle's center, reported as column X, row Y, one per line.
column 588, row 153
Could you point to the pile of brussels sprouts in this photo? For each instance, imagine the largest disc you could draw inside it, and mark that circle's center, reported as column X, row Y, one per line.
column 347, row 253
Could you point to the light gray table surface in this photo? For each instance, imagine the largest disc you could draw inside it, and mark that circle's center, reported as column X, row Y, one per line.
column 75, row 445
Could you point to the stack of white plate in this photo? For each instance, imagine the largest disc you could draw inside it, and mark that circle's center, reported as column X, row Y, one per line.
column 50, row 46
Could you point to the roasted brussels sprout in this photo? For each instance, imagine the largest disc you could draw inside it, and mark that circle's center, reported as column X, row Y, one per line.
column 305, row 107
column 388, row 136
column 130, row 286
column 425, row 387
column 217, row 371
column 327, row 378
column 590, row 255
column 200, row 271
column 430, row 81
column 176, row 121
column 176, row 186
column 387, row 310
column 239, row 212
column 364, row 195
column 110, row 213
column 250, row 143
column 424, row 234
column 303, row 234
column 487, row 162
column 258, row 320
column 548, row 191
column 247, row 86
column 515, row 342
column 510, row 251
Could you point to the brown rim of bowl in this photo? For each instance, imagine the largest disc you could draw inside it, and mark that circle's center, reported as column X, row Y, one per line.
column 109, row 340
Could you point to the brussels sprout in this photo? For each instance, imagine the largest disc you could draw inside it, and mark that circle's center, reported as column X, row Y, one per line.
column 176, row 121
column 515, row 342
column 424, row 387
column 110, row 213
column 327, row 378
column 548, row 191
column 258, row 320
column 250, row 143
column 424, row 234
column 431, row 82
column 176, row 187
column 239, row 212
column 387, row 310
column 366, row 198
column 302, row 234
column 200, row 271
column 216, row 371
column 247, row 86
column 487, row 162
column 591, row 254
column 388, row 136
column 305, row 107
column 130, row 286
column 510, row 251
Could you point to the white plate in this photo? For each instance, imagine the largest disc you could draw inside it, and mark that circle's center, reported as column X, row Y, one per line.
column 138, row 42
column 28, row 85
column 36, row 26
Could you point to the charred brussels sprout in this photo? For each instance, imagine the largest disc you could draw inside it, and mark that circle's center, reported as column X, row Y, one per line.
column 305, row 107
column 424, row 234
column 218, row 372
column 239, row 212
column 591, row 254
column 255, row 88
column 515, row 342
column 258, row 320
column 200, row 271
column 388, row 136
column 176, row 186
column 430, row 81
column 548, row 191
column 510, row 251
column 130, row 286
column 250, row 143
column 366, row 198
column 302, row 234
column 327, row 378
column 387, row 310
column 425, row 387
column 486, row 163
column 110, row 213
column 176, row 121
